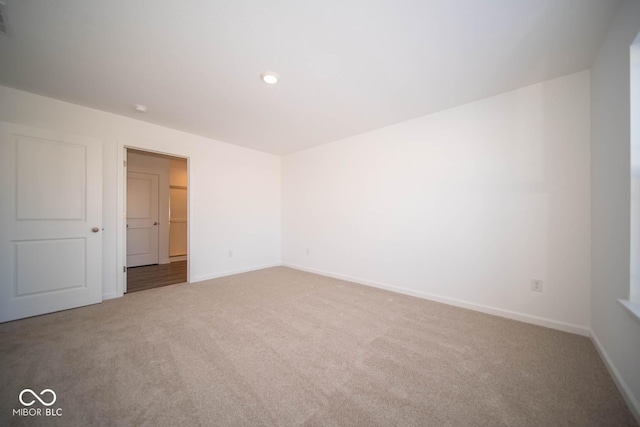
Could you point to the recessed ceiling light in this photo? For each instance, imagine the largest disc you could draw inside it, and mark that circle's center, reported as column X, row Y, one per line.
column 269, row 77
column 140, row 108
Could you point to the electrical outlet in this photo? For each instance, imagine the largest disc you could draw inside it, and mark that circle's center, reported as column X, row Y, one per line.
column 307, row 251
column 536, row 285
column 230, row 254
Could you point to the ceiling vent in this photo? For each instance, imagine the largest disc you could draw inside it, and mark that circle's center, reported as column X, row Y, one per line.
column 3, row 19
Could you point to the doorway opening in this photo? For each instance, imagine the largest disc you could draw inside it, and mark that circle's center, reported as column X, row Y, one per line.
column 156, row 220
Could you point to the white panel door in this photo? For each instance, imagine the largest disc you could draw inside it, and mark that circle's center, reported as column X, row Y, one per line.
column 50, row 221
column 142, row 219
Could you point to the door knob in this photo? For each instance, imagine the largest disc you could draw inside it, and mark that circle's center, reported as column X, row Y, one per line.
column 95, row 229
column 155, row 223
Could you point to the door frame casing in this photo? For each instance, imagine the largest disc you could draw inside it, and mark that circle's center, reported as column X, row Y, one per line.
column 121, row 209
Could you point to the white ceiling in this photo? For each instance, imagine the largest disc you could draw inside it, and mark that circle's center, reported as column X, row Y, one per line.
column 346, row 66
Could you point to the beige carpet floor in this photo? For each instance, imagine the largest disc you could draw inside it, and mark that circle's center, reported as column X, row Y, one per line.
column 284, row 347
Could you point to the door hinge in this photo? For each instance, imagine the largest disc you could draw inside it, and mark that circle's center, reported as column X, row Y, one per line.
column 124, row 269
column 124, row 163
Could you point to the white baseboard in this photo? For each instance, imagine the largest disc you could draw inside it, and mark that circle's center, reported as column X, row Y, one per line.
column 178, row 258
column 527, row 318
column 111, row 295
column 625, row 391
column 232, row 272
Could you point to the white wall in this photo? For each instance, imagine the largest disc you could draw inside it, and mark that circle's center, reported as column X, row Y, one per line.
column 634, row 128
column 234, row 191
column 156, row 166
column 464, row 206
column 615, row 331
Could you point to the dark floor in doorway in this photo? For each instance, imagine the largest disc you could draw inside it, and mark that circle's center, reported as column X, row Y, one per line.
column 155, row 276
